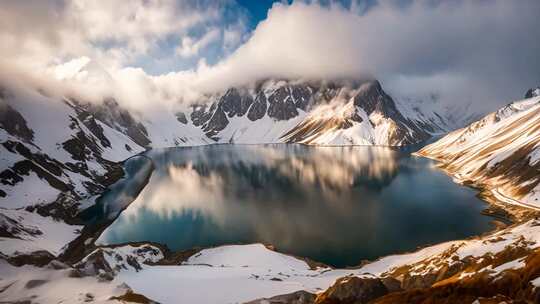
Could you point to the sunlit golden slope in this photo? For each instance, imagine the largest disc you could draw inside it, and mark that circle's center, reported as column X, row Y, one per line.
column 500, row 153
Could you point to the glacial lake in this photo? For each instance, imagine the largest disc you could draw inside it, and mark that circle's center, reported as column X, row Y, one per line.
column 336, row 205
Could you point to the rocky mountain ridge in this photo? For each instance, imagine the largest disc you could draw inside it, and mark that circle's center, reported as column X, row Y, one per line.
column 312, row 113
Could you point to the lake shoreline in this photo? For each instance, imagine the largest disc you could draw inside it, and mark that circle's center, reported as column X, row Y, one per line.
column 83, row 245
column 513, row 213
column 80, row 247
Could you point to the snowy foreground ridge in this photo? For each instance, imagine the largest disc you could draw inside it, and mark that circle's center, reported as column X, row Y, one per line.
column 241, row 273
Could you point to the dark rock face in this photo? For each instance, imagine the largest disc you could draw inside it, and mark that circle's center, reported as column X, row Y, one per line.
column 349, row 290
column 235, row 104
column 95, row 264
column 37, row 258
column 34, row 283
column 46, row 168
column 258, row 109
column 14, row 123
column 83, row 149
column 181, row 117
column 11, row 228
column 372, row 98
column 199, row 114
column 116, row 117
column 302, row 96
column 281, row 104
column 217, row 122
column 90, row 122
column 298, row 297
column 132, row 297
column 284, row 100
column 84, row 145
column 532, row 93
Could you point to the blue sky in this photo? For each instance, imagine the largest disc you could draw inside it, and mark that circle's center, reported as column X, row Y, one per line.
column 257, row 9
column 248, row 12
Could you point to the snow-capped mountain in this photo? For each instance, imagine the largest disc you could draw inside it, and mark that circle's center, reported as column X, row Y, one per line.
column 316, row 114
column 67, row 149
column 532, row 93
column 500, row 152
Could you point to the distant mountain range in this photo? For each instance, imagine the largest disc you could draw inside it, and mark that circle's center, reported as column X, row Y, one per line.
column 67, row 148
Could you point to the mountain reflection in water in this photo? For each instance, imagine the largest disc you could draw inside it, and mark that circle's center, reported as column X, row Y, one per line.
column 338, row 205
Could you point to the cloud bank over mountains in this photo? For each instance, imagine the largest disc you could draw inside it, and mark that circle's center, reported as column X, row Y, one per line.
column 461, row 51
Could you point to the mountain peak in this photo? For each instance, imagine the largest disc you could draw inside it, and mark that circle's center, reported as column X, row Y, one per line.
column 371, row 85
column 533, row 93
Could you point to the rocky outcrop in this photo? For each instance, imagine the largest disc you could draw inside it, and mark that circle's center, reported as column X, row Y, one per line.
column 532, row 93
column 132, row 297
column 37, row 258
column 106, row 262
column 14, row 123
column 373, row 114
column 258, row 108
column 281, row 101
column 511, row 286
column 10, row 228
column 298, row 297
column 114, row 116
column 355, row 290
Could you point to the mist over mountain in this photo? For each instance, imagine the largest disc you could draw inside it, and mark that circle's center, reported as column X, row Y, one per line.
column 482, row 52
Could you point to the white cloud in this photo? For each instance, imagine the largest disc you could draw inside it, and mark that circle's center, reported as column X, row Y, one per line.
column 231, row 38
column 191, row 47
column 71, row 68
column 113, row 32
column 137, row 23
column 485, row 51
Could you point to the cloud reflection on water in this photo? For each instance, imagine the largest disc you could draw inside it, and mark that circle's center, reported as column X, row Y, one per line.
column 314, row 201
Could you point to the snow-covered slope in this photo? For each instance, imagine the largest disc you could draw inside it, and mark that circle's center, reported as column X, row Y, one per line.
column 58, row 154
column 53, row 145
column 432, row 115
column 503, row 264
column 252, row 271
column 500, row 153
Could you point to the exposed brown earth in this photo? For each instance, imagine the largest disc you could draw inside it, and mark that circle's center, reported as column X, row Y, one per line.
column 512, row 286
column 132, row 297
